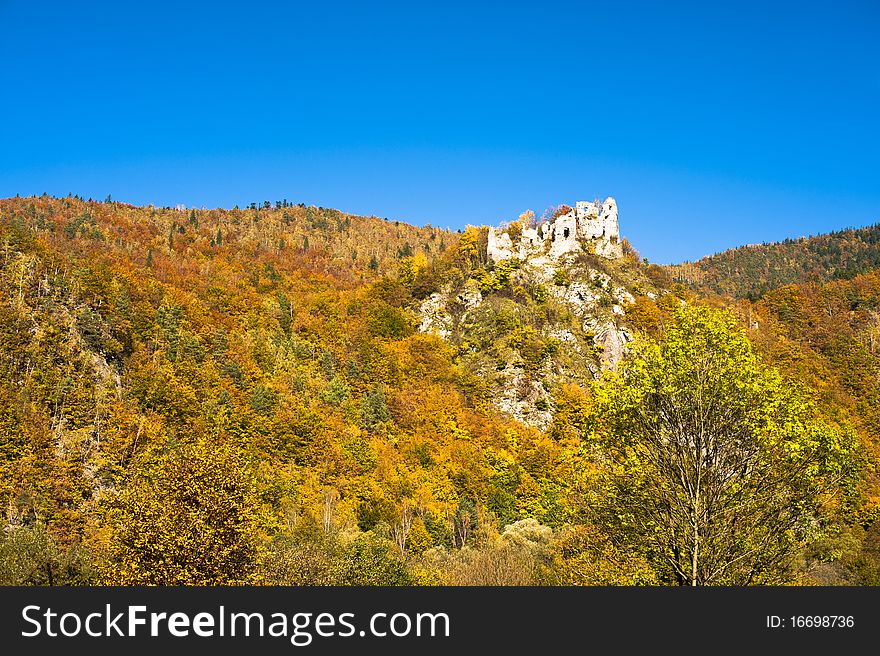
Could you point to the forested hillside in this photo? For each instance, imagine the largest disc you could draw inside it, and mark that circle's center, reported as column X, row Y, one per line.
column 750, row 271
column 244, row 396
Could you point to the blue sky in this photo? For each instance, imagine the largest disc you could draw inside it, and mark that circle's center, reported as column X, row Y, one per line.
column 713, row 126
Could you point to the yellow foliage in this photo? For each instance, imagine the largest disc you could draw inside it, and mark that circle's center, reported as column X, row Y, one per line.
column 193, row 520
column 419, row 540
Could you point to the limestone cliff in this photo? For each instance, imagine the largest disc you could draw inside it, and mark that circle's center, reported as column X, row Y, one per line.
column 549, row 307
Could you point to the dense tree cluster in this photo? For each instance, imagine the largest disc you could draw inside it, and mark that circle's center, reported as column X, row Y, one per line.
column 751, row 271
column 242, row 396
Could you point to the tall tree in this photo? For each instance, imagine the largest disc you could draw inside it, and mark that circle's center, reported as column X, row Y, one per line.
column 715, row 467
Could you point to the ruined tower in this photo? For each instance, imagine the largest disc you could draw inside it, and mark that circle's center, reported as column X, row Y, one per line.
column 589, row 225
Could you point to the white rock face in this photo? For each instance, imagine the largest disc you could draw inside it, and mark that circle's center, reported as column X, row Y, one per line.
column 582, row 298
column 566, row 338
column 531, row 243
column 471, row 296
column 623, row 297
column 611, row 339
column 518, row 397
column 435, row 319
column 435, row 314
column 499, row 246
column 587, row 218
column 588, row 224
column 563, row 236
column 608, row 219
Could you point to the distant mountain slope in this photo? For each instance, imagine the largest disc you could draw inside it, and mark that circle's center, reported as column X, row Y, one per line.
column 295, row 237
column 751, row 271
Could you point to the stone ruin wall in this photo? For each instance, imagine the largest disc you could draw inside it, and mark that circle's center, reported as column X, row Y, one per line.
column 587, row 221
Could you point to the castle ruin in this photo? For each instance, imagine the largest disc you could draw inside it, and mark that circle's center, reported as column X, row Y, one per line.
column 589, row 224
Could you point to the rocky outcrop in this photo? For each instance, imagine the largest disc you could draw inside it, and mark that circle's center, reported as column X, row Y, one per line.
column 556, row 317
column 500, row 246
column 593, row 338
column 520, row 397
column 610, row 338
column 590, row 225
column 441, row 313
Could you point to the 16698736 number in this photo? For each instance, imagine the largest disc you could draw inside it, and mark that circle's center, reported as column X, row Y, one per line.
column 821, row 621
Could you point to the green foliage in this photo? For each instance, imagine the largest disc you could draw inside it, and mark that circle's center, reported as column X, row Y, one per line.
column 374, row 409
column 584, row 556
column 751, row 271
column 373, row 511
column 499, row 276
column 560, row 278
column 82, row 225
column 262, row 400
column 29, row 555
column 366, row 560
column 389, row 322
column 419, row 539
column 538, row 293
column 716, row 468
column 337, row 391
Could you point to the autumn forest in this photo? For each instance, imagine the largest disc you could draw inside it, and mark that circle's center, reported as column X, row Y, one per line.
column 246, row 396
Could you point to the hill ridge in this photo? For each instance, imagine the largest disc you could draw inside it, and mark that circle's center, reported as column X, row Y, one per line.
column 751, row 270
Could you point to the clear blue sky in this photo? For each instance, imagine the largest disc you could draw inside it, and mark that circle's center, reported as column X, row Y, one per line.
column 713, row 124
